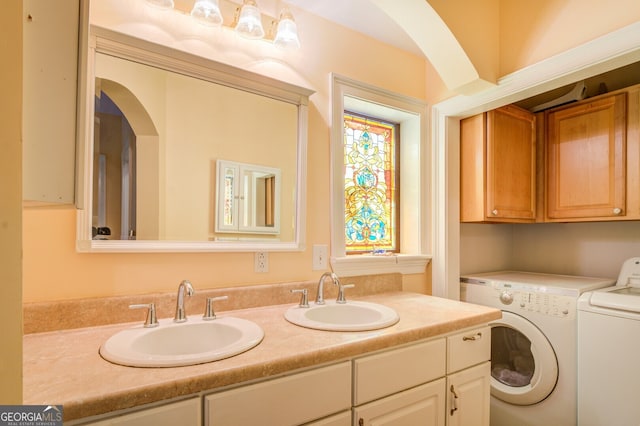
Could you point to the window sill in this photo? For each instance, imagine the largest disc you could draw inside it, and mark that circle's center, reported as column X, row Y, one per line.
column 349, row 266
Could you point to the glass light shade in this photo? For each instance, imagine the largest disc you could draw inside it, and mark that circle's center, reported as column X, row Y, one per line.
column 207, row 12
column 287, row 34
column 250, row 22
column 162, row 4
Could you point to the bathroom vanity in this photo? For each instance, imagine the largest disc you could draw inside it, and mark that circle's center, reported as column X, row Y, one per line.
column 433, row 362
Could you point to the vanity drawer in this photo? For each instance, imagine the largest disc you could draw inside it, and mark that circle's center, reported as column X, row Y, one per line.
column 399, row 369
column 186, row 413
column 468, row 348
column 289, row 400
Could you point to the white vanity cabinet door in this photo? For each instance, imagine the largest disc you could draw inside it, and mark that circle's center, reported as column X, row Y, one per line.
column 291, row 400
column 393, row 371
column 468, row 398
column 422, row 405
column 469, row 377
column 50, row 82
column 183, row 413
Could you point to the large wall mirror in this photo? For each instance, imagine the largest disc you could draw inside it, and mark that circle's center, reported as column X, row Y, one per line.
column 162, row 129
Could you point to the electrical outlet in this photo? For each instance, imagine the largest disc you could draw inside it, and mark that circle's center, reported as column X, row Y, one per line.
column 320, row 254
column 261, row 259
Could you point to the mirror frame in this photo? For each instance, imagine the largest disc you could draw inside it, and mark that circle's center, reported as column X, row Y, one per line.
column 131, row 48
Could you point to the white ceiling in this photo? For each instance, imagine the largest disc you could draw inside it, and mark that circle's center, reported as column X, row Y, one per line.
column 362, row 16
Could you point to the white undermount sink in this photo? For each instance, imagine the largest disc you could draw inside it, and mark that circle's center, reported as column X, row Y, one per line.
column 349, row 316
column 178, row 344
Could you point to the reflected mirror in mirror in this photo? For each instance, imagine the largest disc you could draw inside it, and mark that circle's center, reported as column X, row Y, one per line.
column 158, row 137
column 248, row 198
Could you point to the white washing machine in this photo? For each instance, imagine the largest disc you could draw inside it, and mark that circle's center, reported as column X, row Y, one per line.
column 608, row 350
column 533, row 346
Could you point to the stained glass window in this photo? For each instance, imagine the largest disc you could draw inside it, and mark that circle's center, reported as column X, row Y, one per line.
column 371, row 184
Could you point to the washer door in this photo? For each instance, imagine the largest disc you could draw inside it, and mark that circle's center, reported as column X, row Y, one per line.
column 524, row 366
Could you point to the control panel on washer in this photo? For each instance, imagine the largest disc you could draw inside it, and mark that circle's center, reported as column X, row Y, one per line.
column 546, row 304
column 516, row 298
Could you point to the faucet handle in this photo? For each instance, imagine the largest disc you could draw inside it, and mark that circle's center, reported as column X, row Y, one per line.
column 209, row 314
column 341, row 288
column 152, row 320
column 304, row 298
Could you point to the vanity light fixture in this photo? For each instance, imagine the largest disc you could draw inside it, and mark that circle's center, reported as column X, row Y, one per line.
column 287, row 32
column 247, row 21
column 207, row 12
column 250, row 22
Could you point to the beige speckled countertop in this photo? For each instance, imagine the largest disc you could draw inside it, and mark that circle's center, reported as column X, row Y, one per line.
column 64, row 367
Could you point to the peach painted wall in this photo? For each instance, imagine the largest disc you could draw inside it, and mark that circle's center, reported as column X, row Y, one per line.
column 480, row 36
column 531, row 31
column 54, row 271
column 10, row 202
column 503, row 36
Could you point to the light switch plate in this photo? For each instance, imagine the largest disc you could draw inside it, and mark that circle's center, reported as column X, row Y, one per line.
column 320, row 255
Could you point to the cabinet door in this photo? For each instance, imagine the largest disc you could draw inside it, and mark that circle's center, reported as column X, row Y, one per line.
column 50, row 81
column 473, row 162
column 185, row 413
column 511, row 164
column 498, row 166
column 586, row 160
column 468, row 398
column 422, row 405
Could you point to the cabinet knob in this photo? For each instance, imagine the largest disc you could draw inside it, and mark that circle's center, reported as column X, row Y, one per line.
column 617, row 210
column 494, row 212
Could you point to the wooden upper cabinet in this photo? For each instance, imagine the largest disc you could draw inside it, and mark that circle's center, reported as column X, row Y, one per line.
column 498, row 166
column 586, row 160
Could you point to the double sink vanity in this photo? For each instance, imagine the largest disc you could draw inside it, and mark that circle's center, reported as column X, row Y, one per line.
column 270, row 361
column 195, row 340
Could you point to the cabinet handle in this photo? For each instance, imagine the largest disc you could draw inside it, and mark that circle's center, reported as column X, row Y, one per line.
column 617, row 210
column 361, row 422
column 476, row 336
column 494, row 212
column 454, row 401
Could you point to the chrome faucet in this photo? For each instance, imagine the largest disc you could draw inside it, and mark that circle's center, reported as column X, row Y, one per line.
column 185, row 286
column 320, row 295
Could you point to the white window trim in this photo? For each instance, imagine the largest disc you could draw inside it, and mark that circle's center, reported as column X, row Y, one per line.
column 415, row 213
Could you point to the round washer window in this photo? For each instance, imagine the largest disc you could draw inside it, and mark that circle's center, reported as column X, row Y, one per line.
column 512, row 361
column 524, row 367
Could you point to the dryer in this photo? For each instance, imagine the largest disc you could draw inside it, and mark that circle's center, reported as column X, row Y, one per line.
column 533, row 346
column 608, row 347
